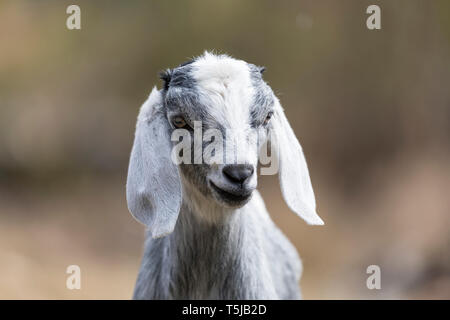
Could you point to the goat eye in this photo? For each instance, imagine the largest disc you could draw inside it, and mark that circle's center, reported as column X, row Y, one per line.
column 179, row 122
column 268, row 117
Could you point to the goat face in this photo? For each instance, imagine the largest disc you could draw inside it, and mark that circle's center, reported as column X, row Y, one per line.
column 205, row 131
column 222, row 107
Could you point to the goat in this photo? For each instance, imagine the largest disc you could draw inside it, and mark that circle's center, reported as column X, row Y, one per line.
column 209, row 234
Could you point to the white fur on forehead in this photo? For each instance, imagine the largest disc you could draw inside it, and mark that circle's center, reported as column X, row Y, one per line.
column 225, row 87
column 217, row 72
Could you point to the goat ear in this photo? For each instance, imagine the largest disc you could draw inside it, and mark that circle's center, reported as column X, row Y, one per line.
column 293, row 172
column 153, row 183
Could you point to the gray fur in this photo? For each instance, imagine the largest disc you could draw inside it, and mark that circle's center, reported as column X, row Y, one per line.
column 244, row 256
column 263, row 99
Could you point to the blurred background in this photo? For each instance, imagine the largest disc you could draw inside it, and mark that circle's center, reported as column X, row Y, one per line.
column 371, row 109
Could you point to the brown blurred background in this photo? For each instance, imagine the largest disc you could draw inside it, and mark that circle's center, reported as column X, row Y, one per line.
column 371, row 109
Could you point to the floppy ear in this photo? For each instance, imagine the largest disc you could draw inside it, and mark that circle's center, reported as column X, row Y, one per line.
column 293, row 175
column 153, row 183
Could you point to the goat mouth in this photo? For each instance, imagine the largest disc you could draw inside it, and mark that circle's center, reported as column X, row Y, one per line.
column 231, row 197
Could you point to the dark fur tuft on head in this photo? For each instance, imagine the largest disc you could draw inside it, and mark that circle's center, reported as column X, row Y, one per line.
column 186, row 63
column 166, row 76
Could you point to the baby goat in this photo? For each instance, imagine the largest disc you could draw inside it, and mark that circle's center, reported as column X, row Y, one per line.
column 210, row 235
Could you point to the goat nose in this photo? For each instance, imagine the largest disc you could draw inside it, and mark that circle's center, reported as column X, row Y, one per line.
column 238, row 173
